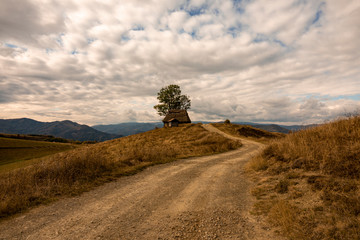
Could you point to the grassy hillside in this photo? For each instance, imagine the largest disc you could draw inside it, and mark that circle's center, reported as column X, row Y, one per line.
column 308, row 182
column 15, row 153
column 247, row 131
column 81, row 169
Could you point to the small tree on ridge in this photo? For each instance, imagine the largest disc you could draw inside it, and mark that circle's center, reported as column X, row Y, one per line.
column 170, row 98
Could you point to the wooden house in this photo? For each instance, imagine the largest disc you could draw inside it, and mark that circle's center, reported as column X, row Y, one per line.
column 176, row 117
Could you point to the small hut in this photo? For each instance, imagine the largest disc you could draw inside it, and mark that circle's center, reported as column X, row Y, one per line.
column 176, row 117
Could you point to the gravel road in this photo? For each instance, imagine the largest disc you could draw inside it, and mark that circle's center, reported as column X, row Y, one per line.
column 196, row 198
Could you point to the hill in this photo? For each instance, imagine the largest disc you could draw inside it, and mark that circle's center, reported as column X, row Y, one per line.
column 266, row 127
column 308, row 183
column 78, row 170
column 247, row 131
column 37, row 137
column 63, row 129
column 130, row 128
column 271, row 128
column 127, row 129
column 15, row 153
column 298, row 127
column 276, row 127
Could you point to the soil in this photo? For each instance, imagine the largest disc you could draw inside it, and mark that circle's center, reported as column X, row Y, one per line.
column 195, row 198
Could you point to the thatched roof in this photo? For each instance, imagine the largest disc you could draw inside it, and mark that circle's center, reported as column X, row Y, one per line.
column 181, row 115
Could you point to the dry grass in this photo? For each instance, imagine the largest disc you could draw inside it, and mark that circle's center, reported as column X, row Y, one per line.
column 79, row 170
column 16, row 153
column 258, row 163
column 312, row 180
column 247, row 131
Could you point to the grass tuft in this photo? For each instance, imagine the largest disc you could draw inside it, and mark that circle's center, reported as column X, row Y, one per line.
column 282, row 186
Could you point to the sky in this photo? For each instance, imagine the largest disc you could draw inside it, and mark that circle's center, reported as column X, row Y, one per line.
column 103, row 61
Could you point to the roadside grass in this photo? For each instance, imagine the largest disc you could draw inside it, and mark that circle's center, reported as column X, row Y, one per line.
column 16, row 153
column 308, row 182
column 72, row 172
column 247, row 131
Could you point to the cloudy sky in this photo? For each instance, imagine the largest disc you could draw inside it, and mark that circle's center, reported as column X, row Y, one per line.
column 103, row 61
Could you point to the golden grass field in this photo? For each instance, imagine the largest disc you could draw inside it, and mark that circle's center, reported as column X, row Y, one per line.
column 308, row 182
column 15, row 153
column 78, row 170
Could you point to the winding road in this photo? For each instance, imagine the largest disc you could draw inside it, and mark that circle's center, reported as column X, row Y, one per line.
column 196, row 198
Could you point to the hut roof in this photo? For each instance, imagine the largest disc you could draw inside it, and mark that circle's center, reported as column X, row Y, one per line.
column 181, row 115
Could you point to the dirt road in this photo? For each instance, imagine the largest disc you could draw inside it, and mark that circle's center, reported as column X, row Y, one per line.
column 197, row 198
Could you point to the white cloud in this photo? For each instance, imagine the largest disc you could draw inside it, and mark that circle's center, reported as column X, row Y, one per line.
column 25, row 21
column 281, row 19
column 104, row 61
column 176, row 20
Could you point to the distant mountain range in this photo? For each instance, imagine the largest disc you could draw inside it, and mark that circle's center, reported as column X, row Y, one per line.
column 299, row 127
column 63, row 129
column 129, row 128
column 270, row 127
column 277, row 128
column 74, row 131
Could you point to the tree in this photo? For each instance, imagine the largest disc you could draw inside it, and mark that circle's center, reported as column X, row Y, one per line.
column 170, row 98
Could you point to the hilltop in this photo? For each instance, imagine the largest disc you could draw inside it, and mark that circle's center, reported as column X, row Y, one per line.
column 130, row 128
column 248, row 131
column 271, row 127
column 63, row 129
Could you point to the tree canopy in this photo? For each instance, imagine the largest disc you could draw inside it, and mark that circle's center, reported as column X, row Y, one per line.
column 170, row 98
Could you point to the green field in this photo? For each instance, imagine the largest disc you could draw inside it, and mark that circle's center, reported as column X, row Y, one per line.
column 15, row 153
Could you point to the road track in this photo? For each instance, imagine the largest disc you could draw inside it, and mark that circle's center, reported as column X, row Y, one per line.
column 196, row 198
